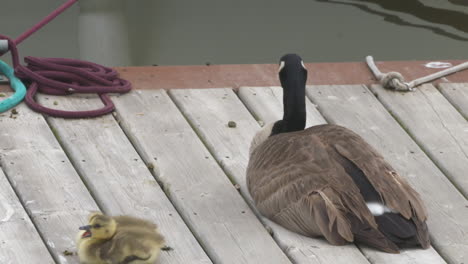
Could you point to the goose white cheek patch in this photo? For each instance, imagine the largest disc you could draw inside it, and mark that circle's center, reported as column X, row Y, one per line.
column 281, row 66
column 377, row 209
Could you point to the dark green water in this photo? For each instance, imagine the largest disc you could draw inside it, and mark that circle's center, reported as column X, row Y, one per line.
column 175, row 32
column 225, row 32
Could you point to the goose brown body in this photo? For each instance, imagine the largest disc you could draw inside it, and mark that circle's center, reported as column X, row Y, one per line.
column 299, row 181
column 328, row 181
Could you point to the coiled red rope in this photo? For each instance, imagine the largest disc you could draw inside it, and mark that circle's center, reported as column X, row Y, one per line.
column 60, row 76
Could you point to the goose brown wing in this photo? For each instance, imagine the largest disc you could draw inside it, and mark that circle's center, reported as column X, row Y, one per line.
column 396, row 193
column 294, row 182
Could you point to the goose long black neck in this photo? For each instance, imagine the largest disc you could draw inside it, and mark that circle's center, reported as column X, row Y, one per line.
column 294, row 117
column 293, row 77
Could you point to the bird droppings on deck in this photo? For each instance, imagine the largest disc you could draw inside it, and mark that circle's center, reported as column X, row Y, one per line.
column 167, row 248
column 150, row 166
column 68, row 253
column 8, row 211
column 50, row 243
column 30, row 202
column 14, row 113
column 63, row 260
column 232, row 124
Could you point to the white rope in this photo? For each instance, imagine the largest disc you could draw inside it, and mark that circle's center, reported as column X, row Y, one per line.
column 395, row 81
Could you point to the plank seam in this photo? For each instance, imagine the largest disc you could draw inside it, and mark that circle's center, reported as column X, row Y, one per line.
column 71, row 160
column 161, row 184
column 459, row 110
column 257, row 118
column 420, row 144
column 202, row 139
column 228, row 175
column 445, row 127
column 18, row 196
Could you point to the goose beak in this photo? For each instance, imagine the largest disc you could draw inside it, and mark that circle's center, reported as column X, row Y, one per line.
column 86, row 227
column 87, row 232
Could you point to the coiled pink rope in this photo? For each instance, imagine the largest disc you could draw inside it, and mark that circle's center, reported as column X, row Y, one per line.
column 60, row 76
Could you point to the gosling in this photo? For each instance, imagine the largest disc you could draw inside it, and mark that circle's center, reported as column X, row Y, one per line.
column 118, row 240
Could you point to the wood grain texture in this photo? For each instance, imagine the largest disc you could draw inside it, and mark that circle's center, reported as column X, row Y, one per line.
column 117, row 177
column 198, row 188
column 44, row 179
column 19, row 240
column 457, row 94
column 230, row 146
column 356, row 108
column 438, row 128
column 269, row 108
column 261, row 94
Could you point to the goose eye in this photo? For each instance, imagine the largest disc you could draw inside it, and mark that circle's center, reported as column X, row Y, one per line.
column 281, row 66
column 303, row 66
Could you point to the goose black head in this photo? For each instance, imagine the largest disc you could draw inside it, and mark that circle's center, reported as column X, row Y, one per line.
column 292, row 72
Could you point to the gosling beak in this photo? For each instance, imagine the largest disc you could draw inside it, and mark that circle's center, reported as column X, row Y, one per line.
column 87, row 233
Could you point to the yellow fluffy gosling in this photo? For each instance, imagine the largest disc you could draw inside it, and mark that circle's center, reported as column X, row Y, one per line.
column 118, row 240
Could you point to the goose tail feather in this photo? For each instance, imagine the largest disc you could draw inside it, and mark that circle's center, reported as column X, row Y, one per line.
column 370, row 236
column 403, row 232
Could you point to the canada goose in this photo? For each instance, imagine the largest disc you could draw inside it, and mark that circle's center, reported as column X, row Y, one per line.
column 327, row 181
column 118, row 240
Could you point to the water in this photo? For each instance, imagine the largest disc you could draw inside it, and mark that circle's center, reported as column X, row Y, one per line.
column 175, row 32
column 245, row 31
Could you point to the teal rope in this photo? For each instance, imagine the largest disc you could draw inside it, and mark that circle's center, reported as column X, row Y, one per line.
column 16, row 85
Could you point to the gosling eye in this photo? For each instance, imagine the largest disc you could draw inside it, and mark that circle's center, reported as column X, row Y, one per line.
column 97, row 226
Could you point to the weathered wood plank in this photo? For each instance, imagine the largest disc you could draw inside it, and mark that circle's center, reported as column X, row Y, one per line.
column 457, row 94
column 19, row 240
column 44, row 179
column 412, row 256
column 230, row 146
column 199, row 189
column 356, row 108
column 117, row 177
column 438, row 128
column 270, row 107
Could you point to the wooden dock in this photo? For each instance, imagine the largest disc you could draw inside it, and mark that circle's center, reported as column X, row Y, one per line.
column 170, row 156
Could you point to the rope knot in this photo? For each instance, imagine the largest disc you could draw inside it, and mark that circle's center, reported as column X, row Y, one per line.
column 394, row 81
